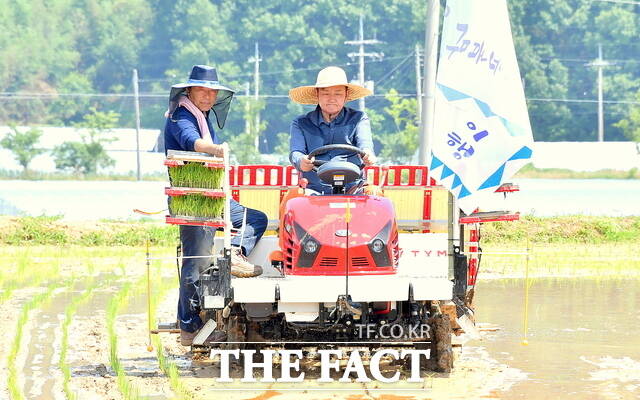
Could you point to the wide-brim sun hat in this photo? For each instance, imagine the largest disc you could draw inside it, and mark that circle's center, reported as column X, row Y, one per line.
column 204, row 76
column 330, row 76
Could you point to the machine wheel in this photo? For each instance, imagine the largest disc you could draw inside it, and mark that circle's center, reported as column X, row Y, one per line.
column 236, row 328
column 441, row 346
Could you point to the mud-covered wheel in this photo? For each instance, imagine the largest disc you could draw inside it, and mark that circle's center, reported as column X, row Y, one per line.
column 236, row 329
column 441, row 345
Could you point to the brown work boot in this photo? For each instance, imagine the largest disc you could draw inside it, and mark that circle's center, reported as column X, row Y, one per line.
column 186, row 338
column 241, row 267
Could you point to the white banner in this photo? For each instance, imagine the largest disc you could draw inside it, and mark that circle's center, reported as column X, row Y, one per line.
column 482, row 134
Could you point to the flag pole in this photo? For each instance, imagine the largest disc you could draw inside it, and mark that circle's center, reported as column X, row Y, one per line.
column 429, row 85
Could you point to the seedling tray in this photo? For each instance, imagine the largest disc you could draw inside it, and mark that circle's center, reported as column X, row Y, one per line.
column 206, row 164
column 182, row 191
column 192, row 156
column 194, row 221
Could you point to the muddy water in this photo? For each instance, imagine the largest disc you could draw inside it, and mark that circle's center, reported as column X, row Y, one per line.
column 41, row 364
column 583, row 336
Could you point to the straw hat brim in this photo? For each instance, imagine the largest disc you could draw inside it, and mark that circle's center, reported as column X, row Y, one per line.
column 309, row 94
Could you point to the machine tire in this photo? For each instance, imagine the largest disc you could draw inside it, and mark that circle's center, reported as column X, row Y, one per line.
column 236, row 328
column 441, row 345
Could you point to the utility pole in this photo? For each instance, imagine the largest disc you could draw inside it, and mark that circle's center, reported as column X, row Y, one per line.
column 361, row 55
column 247, row 107
column 136, row 102
column 429, row 85
column 418, row 85
column 600, row 64
column 256, row 88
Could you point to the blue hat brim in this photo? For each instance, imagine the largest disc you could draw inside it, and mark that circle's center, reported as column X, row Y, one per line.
column 208, row 84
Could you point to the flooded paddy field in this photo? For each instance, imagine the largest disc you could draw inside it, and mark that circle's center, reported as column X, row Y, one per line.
column 75, row 326
column 582, row 334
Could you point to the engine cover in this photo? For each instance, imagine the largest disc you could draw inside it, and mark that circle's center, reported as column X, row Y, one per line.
column 325, row 235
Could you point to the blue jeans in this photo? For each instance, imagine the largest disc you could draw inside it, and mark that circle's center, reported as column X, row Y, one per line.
column 198, row 241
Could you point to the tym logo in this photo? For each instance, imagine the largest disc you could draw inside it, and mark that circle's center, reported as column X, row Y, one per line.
column 426, row 253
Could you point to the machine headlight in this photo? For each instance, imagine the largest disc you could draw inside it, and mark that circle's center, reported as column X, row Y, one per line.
column 310, row 246
column 377, row 245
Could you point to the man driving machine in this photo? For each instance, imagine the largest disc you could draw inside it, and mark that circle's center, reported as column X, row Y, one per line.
column 331, row 123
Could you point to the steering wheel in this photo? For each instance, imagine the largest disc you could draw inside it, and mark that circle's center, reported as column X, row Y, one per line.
column 323, row 149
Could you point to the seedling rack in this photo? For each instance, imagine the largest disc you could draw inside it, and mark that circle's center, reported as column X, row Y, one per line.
column 199, row 191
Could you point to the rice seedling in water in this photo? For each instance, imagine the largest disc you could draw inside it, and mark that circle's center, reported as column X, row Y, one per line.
column 168, row 367
column 128, row 390
column 570, row 259
column 196, row 175
column 69, row 313
column 197, row 205
column 35, row 302
column 29, row 273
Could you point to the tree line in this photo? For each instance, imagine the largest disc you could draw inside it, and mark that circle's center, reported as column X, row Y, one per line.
column 66, row 51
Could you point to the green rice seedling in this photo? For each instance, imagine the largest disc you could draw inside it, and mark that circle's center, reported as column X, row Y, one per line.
column 168, row 367
column 565, row 259
column 197, row 205
column 128, row 390
column 196, row 175
column 30, row 272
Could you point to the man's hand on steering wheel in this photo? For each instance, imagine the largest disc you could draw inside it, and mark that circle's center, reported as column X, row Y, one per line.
column 369, row 158
column 306, row 163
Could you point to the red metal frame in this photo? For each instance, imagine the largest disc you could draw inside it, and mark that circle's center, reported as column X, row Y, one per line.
column 474, row 236
column 291, row 176
column 253, row 175
column 508, row 188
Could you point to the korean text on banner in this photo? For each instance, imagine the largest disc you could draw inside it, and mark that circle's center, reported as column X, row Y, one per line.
column 482, row 135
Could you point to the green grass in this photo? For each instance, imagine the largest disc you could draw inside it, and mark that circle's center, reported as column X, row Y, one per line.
column 196, row 175
column 564, row 229
column 197, row 205
column 22, row 231
column 529, row 171
column 37, row 229
column 29, row 231
column 64, row 176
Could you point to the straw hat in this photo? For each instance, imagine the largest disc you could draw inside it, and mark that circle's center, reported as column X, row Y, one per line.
column 204, row 76
column 330, row 76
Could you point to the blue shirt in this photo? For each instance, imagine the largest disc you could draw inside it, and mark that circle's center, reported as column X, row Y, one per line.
column 181, row 131
column 310, row 131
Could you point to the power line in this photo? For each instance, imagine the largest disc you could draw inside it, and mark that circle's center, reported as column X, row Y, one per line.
column 585, row 101
column 36, row 96
column 619, row 1
column 278, row 72
column 381, row 81
column 361, row 55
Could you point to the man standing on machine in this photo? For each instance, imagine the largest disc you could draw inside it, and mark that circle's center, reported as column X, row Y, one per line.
column 188, row 128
